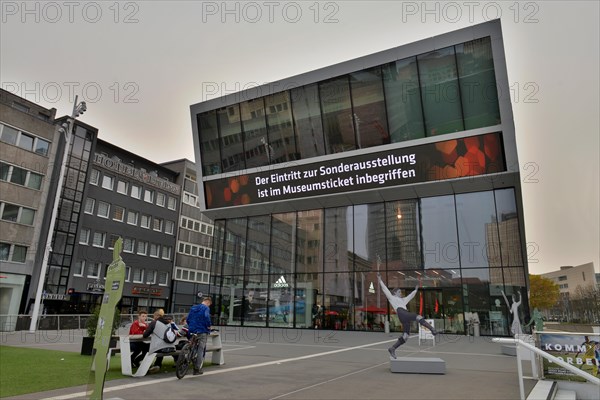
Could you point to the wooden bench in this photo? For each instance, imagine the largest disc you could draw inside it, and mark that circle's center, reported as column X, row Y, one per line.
column 214, row 346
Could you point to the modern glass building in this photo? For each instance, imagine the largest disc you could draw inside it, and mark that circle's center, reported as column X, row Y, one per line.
column 403, row 162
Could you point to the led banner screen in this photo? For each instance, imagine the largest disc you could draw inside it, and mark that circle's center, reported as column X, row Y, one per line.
column 471, row 156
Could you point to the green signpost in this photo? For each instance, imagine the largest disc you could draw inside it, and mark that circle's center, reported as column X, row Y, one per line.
column 115, row 278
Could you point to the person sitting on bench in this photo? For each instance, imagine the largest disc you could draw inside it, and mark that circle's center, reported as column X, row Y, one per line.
column 156, row 330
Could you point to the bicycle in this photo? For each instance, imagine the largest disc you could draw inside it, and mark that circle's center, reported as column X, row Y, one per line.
column 188, row 355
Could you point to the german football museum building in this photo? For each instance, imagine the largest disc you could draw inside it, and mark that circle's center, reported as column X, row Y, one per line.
column 402, row 162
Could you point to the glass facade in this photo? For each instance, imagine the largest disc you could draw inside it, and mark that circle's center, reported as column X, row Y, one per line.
column 443, row 91
column 318, row 267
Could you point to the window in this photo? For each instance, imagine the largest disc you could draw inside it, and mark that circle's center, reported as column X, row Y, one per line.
column 14, row 253
column 166, row 252
column 20, row 176
column 169, row 227
column 154, row 250
column 103, row 209
column 136, row 191
column 84, row 236
column 89, row 205
column 148, row 196
column 108, row 182
column 190, row 199
column 99, row 238
column 132, row 217
column 122, row 187
column 138, row 275
column 172, row 203
column 142, row 247
column 127, row 273
column 112, row 241
column 94, row 177
column 160, row 199
column 151, row 277
column 25, row 141
column 128, row 245
column 163, row 278
column 79, row 268
column 94, row 270
column 118, row 213
column 158, row 222
column 145, row 221
column 15, row 213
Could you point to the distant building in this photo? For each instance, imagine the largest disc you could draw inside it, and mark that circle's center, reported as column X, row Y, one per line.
column 575, row 284
column 193, row 251
column 31, row 146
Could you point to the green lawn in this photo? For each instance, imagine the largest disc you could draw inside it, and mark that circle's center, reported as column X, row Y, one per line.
column 25, row 370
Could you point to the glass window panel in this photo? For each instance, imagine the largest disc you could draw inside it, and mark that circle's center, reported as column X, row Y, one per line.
column 230, row 133
column 103, row 209
column 10, row 212
column 403, row 99
column 35, row 181
column 172, row 203
column 255, row 303
column 257, row 256
column 368, row 236
column 338, row 122
column 18, row 176
column 369, row 108
column 26, row 142
column 9, row 135
column 309, row 243
column 438, row 224
column 309, row 291
column 508, row 228
column 160, row 199
column 339, row 290
column 235, row 246
column 477, row 79
column 4, row 169
column 209, row 143
column 307, row 119
column 42, row 147
column 145, row 222
column 94, row 177
column 258, row 148
column 89, row 205
column 84, row 236
column 118, row 213
column 132, row 217
column 136, row 191
column 483, row 300
column 403, row 235
column 148, row 196
column 27, row 216
column 283, row 231
column 440, row 93
column 281, row 128
column 122, row 187
column 107, row 182
column 477, row 228
column 338, row 239
column 19, row 254
column 4, row 251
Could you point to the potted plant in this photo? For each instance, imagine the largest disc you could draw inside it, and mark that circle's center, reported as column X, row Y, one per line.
column 87, row 344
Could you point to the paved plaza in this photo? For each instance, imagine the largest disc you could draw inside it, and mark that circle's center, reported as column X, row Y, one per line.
column 263, row 363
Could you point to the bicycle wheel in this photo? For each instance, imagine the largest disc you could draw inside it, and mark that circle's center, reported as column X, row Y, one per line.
column 183, row 361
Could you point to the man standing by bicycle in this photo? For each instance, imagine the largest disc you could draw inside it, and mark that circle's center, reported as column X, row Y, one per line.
column 199, row 324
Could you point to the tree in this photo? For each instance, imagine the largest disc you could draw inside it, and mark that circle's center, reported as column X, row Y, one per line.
column 543, row 292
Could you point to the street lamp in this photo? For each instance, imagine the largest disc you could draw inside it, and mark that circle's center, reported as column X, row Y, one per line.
column 66, row 129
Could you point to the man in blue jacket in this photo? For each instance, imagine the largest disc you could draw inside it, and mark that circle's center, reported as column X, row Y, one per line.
column 199, row 323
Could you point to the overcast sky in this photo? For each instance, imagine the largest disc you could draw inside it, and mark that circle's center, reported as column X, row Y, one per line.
column 141, row 64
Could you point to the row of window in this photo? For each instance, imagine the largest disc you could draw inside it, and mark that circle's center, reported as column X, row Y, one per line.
column 24, row 140
column 198, row 226
column 15, row 213
column 103, row 210
column 447, row 90
column 190, row 275
column 194, row 250
column 20, row 176
column 144, row 248
column 95, row 270
column 133, row 190
column 12, row 252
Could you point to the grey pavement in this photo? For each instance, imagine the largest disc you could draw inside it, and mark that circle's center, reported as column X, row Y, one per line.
column 268, row 363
